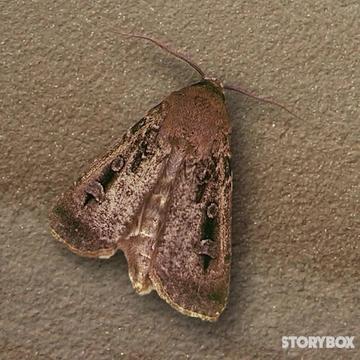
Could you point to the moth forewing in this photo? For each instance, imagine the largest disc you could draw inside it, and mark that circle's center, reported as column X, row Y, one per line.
column 96, row 212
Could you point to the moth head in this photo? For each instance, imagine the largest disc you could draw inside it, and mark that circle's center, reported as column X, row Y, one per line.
column 212, row 84
column 215, row 82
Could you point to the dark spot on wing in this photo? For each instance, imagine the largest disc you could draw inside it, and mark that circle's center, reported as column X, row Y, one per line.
column 107, row 177
column 209, row 228
column 135, row 128
column 139, row 155
column 136, row 160
column 203, row 175
column 207, row 250
column 145, row 148
column 200, row 192
column 117, row 164
column 207, row 247
column 212, row 210
column 94, row 190
column 97, row 188
column 206, row 261
column 227, row 167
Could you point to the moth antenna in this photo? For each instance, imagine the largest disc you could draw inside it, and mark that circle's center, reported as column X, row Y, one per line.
column 202, row 74
column 260, row 98
column 171, row 51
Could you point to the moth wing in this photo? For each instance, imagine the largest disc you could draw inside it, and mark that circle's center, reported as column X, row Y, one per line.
column 95, row 217
column 191, row 262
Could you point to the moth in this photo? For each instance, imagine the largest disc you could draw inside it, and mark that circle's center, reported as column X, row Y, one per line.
column 162, row 195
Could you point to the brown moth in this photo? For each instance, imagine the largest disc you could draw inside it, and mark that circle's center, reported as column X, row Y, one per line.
column 162, row 195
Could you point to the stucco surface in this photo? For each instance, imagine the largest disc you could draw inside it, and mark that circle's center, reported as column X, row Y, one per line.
column 70, row 86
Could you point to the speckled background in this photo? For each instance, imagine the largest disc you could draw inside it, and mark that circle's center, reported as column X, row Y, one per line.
column 70, row 86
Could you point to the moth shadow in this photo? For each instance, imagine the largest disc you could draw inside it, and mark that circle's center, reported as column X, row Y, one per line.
column 239, row 111
column 96, row 268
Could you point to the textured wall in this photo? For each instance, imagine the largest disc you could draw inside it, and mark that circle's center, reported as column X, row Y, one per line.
column 70, row 86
